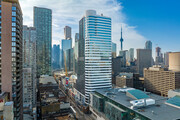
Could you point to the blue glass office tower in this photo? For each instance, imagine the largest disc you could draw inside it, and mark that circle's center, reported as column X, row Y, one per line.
column 56, row 57
column 97, row 52
column 43, row 25
column 65, row 45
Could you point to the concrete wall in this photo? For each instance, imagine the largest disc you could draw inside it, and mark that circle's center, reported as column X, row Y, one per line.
column 174, row 61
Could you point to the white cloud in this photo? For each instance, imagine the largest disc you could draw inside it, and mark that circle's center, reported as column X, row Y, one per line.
column 69, row 12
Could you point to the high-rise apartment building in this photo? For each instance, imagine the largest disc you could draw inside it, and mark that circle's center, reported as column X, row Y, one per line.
column 56, row 57
column 144, row 58
column 148, row 45
column 11, row 53
column 29, row 68
column 67, row 32
column 113, row 50
column 95, row 33
column 43, row 25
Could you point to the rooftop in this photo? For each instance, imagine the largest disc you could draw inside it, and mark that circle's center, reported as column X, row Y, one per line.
column 45, row 79
column 155, row 112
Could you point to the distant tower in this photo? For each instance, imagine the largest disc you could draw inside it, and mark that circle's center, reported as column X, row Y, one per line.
column 121, row 40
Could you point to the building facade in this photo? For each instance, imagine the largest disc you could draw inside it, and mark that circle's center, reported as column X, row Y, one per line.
column 69, row 54
column 76, row 53
column 65, row 45
column 11, row 53
column 29, row 67
column 43, row 25
column 56, row 57
column 98, row 60
column 144, row 59
column 114, row 50
column 159, row 56
column 148, row 45
column 160, row 80
column 67, row 32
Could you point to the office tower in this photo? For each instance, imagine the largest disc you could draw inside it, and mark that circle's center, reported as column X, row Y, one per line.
column 166, row 59
column 76, row 53
column 113, row 50
column 96, row 36
column 29, row 68
column 159, row 56
column 121, row 40
column 80, row 84
column 56, row 57
column 69, row 54
column 144, row 57
column 43, row 25
column 67, row 32
column 131, row 55
column 160, row 80
column 65, row 45
column 123, row 54
column 11, row 53
column 148, row 45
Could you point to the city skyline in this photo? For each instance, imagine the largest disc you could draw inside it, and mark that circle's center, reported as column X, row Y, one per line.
column 117, row 10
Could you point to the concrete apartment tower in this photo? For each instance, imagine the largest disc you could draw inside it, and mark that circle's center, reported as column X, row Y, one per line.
column 29, row 68
column 11, row 53
column 43, row 25
column 95, row 53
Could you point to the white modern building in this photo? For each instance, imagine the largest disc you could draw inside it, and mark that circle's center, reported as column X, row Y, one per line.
column 98, row 63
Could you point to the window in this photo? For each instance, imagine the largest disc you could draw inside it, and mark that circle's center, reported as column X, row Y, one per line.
column 13, row 24
column 13, row 54
column 13, row 8
column 14, row 19
column 13, row 43
column 13, row 29
column 13, row 49
column 13, row 39
column 13, row 13
column 13, row 34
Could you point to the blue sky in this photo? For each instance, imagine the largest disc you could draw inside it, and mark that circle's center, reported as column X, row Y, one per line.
column 156, row 20
column 142, row 20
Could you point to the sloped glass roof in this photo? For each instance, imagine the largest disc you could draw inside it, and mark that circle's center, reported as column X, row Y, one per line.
column 174, row 101
column 138, row 94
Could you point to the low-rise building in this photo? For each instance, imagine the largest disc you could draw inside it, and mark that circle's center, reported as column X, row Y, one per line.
column 52, row 101
column 131, row 104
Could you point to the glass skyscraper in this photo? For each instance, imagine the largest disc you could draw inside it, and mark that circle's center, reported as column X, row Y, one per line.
column 98, row 60
column 148, row 45
column 56, row 57
column 65, row 45
column 43, row 25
